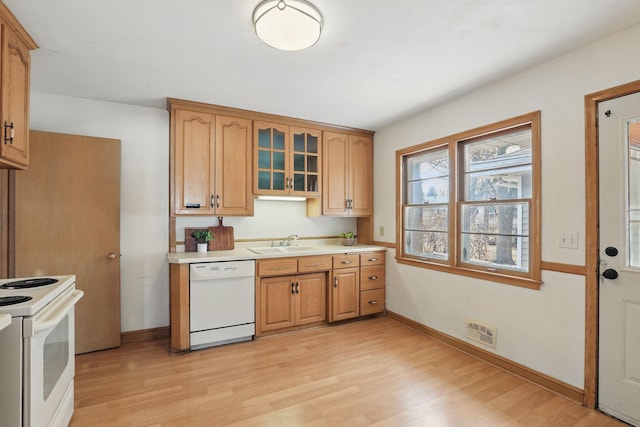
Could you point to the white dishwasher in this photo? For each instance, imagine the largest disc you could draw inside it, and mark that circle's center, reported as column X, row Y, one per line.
column 221, row 303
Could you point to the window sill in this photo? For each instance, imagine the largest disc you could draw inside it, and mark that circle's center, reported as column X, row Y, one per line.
column 522, row 282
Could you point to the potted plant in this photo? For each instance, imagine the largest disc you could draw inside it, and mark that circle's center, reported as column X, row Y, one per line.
column 202, row 239
column 347, row 238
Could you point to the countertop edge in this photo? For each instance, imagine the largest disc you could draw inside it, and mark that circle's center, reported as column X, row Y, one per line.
column 240, row 254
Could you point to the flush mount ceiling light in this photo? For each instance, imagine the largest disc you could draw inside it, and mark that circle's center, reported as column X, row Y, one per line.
column 287, row 24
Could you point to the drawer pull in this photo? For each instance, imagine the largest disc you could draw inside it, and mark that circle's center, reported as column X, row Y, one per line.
column 373, row 259
column 346, row 261
column 372, row 302
column 373, row 277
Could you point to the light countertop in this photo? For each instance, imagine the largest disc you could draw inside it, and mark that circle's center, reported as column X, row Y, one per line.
column 5, row 320
column 245, row 252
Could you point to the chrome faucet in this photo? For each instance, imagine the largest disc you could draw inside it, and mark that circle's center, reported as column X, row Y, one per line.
column 289, row 239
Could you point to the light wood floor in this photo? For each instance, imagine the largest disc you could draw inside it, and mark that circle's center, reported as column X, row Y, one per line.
column 372, row 372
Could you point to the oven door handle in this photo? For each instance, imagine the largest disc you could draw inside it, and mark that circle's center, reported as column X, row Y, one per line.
column 56, row 314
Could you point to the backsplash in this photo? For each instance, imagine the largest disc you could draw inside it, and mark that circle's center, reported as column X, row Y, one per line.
column 272, row 220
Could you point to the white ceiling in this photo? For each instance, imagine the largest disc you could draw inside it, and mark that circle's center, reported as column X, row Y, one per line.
column 376, row 61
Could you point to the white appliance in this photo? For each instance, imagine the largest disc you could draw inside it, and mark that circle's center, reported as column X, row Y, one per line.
column 221, row 303
column 37, row 351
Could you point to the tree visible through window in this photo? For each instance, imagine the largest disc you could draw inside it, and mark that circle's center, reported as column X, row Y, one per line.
column 471, row 201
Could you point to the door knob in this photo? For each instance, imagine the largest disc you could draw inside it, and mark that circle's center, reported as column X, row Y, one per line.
column 610, row 273
column 111, row 256
column 611, row 251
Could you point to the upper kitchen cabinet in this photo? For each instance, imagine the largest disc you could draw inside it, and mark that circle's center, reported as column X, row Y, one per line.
column 14, row 77
column 210, row 163
column 347, row 174
column 287, row 160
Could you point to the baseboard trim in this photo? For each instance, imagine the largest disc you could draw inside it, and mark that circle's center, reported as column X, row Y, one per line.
column 145, row 334
column 561, row 388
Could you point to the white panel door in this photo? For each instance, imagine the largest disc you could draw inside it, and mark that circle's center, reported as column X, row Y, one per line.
column 619, row 180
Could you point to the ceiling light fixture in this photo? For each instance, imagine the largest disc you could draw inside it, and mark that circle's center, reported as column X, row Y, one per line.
column 287, row 24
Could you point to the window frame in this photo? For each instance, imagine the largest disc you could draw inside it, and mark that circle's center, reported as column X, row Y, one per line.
column 454, row 264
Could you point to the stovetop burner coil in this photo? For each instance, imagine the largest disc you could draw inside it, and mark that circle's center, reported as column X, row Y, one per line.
column 29, row 283
column 14, row 300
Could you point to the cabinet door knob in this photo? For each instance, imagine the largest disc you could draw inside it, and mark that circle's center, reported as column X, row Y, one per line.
column 212, row 202
column 217, row 201
column 111, row 256
column 335, row 282
column 293, row 288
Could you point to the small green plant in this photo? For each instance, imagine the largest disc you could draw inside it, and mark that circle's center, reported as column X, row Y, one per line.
column 347, row 235
column 201, row 236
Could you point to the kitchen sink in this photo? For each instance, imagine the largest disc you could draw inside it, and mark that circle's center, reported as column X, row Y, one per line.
column 281, row 249
column 298, row 248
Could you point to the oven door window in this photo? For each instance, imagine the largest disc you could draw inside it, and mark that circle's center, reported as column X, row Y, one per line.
column 55, row 356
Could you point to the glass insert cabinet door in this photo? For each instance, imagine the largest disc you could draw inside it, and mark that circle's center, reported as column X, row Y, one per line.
column 287, row 160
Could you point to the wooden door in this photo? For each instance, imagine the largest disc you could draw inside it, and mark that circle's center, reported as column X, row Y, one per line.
column 360, row 156
column 193, row 160
column 276, row 303
column 14, row 147
column 619, row 302
column 233, row 167
column 311, row 298
column 345, row 294
column 67, row 221
column 334, row 177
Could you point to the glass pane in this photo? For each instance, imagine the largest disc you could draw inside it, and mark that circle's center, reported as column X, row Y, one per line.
column 426, row 244
column 427, row 218
column 496, row 218
column 298, row 182
column 514, row 183
column 264, row 180
column 508, row 252
column 634, row 244
column 633, row 192
column 312, row 144
column 55, row 355
column 264, row 138
column 278, row 160
column 278, row 181
column 278, row 140
column 634, row 178
column 433, row 190
column 264, row 159
column 433, row 164
column 312, row 183
column 496, row 235
column 298, row 162
column 312, row 163
column 501, row 150
column 298, row 142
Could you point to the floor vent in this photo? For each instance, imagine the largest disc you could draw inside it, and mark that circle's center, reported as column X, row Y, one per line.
column 481, row 333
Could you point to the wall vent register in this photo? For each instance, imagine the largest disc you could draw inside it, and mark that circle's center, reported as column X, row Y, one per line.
column 482, row 333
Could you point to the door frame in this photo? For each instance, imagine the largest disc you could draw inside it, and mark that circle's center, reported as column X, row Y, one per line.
column 592, row 238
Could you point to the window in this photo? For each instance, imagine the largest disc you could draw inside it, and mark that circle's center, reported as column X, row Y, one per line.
column 470, row 202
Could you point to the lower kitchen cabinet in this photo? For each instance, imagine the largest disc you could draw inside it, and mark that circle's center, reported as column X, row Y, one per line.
column 287, row 301
column 345, row 288
column 372, row 283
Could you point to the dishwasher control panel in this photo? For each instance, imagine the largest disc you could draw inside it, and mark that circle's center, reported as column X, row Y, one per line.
column 218, row 270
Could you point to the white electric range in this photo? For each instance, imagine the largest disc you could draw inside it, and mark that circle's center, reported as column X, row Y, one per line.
column 37, row 350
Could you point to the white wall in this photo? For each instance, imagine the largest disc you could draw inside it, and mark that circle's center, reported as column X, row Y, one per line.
column 144, row 193
column 144, row 223
column 541, row 329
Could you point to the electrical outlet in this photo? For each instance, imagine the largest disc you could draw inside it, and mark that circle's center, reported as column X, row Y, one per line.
column 568, row 239
column 381, row 230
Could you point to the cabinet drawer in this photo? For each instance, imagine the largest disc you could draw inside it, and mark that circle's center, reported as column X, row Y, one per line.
column 314, row 263
column 372, row 258
column 371, row 302
column 346, row 260
column 277, row 267
column 372, row 277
